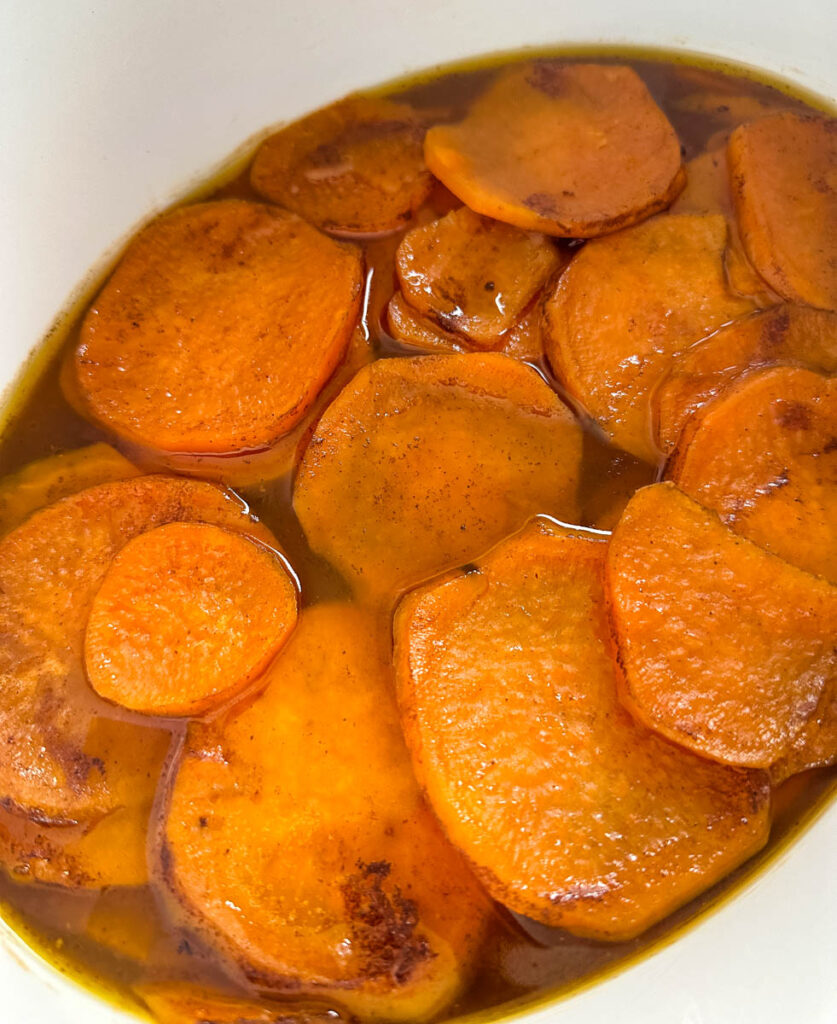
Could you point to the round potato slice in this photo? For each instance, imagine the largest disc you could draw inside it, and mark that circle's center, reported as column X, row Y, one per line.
column 764, row 456
column 626, row 306
column 784, row 334
column 353, row 168
column 570, row 149
column 726, row 649
column 48, row 480
column 296, row 836
column 784, row 188
column 572, row 812
column 186, row 617
column 70, row 757
column 421, row 464
column 473, row 275
column 218, row 329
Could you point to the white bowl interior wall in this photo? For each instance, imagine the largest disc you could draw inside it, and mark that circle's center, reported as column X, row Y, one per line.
column 111, row 111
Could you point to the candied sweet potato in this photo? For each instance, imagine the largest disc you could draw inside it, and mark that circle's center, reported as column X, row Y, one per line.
column 785, row 194
column 575, row 150
column 354, row 167
column 572, row 812
column 422, row 463
column 68, row 758
column 188, row 615
column 626, row 306
column 296, row 836
column 186, row 1003
column 764, row 457
column 786, row 334
column 726, row 649
column 523, row 340
column 473, row 275
column 48, row 480
column 217, row 330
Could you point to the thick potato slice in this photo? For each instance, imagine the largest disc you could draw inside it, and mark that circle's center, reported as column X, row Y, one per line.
column 188, row 615
column 185, row 1003
column 764, row 457
column 48, row 480
column 784, row 334
column 68, row 756
column 569, row 149
column 816, row 744
column 785, row 192
column 626, row 306
column 421, row 464
column 355, row 167
column 297, row 837
column 473, row 275
column 523, row 340
column 726, row 649
column 109, row 850
column 572, row 812
column 217, row 330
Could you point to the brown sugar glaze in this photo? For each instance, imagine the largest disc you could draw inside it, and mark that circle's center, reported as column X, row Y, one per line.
column 118, row 938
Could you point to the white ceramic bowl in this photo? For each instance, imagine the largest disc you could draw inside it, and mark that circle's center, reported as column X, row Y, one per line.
column 108, row 112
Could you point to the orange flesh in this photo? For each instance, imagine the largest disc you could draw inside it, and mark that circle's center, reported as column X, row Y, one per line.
column 217, row 330
column 626, row 306
column 297, row 835
column 508, row 694
column 569, row 149
column 784, row 187
column 763, row 455
column 420, row 464
column 784, row 334
column 355, row 167
column 472, row 275
column 726, row 649
column 187, row 615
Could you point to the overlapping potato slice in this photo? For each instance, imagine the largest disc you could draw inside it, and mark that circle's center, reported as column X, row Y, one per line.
column 185, row 1003
column 570, row 149
column 626, row 306
column 523, row 340
column 188, row 615
column 726, row 648
column 65, row 750
column 355, row 167
column 786, row 334
column 49, row 479
column 784, row 187
column 218, row 329
column 472, row 275
column 764, row 456
column 296, row 835
column 422, row 463
column 572, row 812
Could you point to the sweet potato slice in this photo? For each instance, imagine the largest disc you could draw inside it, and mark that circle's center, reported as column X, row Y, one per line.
column 626, row 306
column 785, row 193
column 570, row 149
column 355, row 167
column 186, row 1003
column 68, row 757
column 297, row 838
column 572, row 812
column 107, row 851
column 218, row 329
column 726, row 649
column 473, row 275
column 786, row 334
column 421, row 464
column 523, row 340
column 48, row 480
column 186, row 617
column 764, row 456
